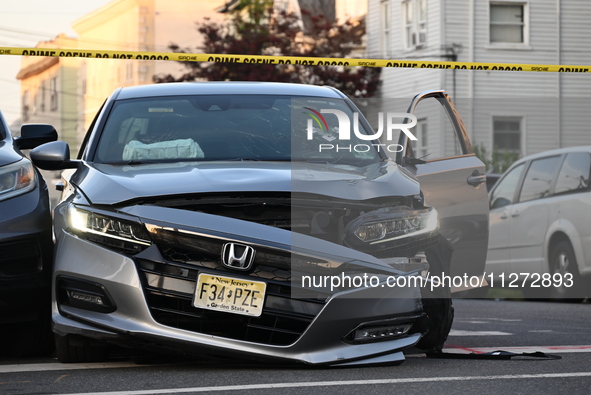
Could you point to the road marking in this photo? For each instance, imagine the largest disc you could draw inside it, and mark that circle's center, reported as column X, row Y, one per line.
column 246, row 387
column 505, row 319
column 456, row 332
column 45, row 367
column 60, row 377
column 480, row 319
column 545, row 349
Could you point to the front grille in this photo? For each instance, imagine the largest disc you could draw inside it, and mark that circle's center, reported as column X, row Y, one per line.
column 20, row 258
column 260, row 270
column 170, row 288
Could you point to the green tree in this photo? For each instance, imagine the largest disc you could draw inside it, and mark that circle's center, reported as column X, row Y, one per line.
column 498, row 161
column 254, row 28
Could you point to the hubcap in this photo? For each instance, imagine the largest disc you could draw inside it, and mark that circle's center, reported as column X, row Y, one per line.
column 562, row 264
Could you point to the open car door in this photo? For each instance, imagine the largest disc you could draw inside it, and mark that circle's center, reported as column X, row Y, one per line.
column 452, row 178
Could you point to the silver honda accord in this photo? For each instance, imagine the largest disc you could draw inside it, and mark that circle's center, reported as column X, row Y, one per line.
column 252, row 220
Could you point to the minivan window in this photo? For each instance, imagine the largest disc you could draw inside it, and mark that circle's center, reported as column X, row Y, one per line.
column 504, row 192
column 574, row 174
column 539, row 177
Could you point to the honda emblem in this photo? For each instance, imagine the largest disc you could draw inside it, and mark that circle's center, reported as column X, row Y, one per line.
column 237, row 256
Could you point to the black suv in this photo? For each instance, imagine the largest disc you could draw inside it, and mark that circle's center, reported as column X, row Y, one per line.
column 26, row 246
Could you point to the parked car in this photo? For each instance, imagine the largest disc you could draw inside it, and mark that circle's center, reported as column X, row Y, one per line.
column 26, row 246
column 196, row 212
column 539, row 231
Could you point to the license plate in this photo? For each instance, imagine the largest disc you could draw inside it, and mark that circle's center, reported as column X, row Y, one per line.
column 231, row 295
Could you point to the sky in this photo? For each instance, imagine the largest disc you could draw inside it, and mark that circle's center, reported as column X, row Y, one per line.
column 23, row 23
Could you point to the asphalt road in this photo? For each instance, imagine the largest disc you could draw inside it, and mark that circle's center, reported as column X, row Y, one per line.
column 480, row 325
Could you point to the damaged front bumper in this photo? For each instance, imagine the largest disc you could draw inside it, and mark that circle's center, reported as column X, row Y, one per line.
column 148, row 297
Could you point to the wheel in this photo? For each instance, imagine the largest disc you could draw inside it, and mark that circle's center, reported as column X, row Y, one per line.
column 75, row 349
column 437, row 304
column 441, row 317
column 564, row 262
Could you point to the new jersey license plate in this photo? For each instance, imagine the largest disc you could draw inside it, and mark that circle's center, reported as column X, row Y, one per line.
column 228, row 294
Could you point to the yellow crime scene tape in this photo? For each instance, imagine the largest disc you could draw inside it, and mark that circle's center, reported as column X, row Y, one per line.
column 295, row 60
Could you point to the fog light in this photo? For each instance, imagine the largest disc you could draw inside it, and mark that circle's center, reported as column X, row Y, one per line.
column 378, row 333
column 84, row 297
column 83, row 294
column 383, row 330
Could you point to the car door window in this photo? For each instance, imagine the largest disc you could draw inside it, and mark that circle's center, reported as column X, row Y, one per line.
column 452, row 178
column 503, row 194
column 538, row 179
column 574, row 173
column 437, row 136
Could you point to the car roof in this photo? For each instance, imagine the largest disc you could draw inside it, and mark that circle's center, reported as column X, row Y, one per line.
column 544, row 154
column 227, row 88
column 558, row 151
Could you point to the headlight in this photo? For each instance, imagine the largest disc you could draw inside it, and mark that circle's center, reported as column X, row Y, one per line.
column 16, row 179
column 109, row 231
column 389, row 224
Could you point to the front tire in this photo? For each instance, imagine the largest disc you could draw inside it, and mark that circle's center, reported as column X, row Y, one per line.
column 441, row 316
column 437, row 303
column 564, row 262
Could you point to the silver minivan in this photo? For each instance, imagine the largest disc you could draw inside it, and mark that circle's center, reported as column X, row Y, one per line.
column 540, row 233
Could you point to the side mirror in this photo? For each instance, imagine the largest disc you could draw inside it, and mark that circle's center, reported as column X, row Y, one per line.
column 35, row 134
column 53, row 156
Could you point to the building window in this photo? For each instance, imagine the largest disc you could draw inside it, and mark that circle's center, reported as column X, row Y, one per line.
column 25, row 106
column 129, row 71
column 42, row 105
column 36, row 102
column 385, row 28
column 507, row 134
column 53, row 94
column 508, row 23
column 414, row 14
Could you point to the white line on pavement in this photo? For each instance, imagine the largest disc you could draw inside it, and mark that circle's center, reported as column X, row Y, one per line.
column 455, row 332
column 246, row 387
column 44, row 367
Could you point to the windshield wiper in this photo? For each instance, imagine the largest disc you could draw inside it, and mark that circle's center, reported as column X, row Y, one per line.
column 140, row 162
column 244, row 159
column 253, row 159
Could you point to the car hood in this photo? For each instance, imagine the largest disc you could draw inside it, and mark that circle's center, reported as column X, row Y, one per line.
column 115, row 184
column 7, row 154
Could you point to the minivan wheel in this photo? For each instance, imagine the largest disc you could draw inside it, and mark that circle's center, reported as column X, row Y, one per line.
column 76, row 349
column 563, row 261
